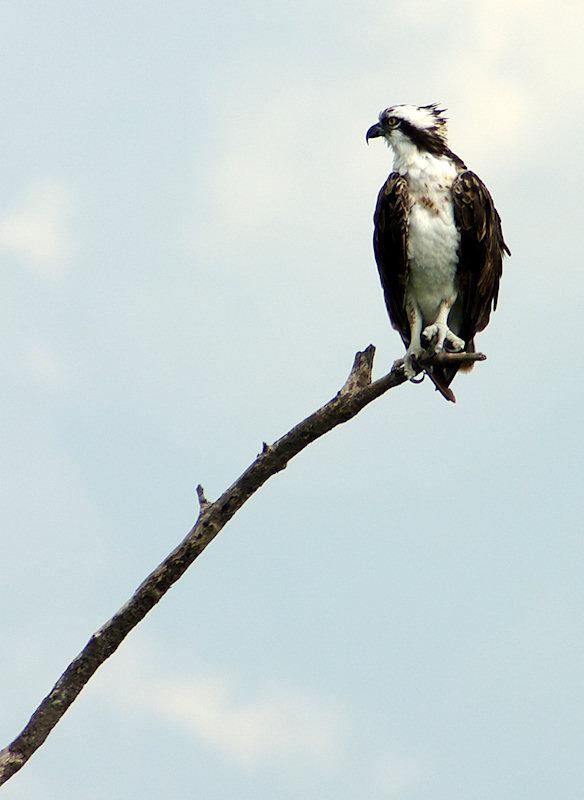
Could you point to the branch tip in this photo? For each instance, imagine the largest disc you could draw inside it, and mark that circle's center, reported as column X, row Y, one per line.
column 453, row 358
column 443, row 358
column 203, row 502
column 360, row 374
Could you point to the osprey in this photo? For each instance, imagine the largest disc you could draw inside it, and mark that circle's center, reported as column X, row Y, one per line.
column 438, row 241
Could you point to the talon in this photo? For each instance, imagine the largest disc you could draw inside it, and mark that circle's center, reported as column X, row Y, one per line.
column 442, row 336
column 430, row 332
column 456, row 344
column 411, row 367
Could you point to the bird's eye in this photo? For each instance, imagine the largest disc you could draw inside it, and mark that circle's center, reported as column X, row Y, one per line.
column 393, row 122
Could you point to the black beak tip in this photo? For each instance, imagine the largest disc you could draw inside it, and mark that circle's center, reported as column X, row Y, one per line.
column 373, row 132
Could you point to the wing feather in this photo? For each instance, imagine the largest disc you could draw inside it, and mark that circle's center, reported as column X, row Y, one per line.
column 390, row 247
column 481, row 251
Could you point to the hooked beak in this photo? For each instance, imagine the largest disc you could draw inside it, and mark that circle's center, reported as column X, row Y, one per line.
column 373, row 132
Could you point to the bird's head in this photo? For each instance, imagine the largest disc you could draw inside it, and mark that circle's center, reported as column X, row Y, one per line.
column 407, row 127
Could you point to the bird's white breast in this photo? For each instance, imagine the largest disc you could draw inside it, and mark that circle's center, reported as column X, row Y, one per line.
column 433, row 239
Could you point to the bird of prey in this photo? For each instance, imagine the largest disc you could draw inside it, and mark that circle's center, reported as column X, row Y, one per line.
column 438, row 241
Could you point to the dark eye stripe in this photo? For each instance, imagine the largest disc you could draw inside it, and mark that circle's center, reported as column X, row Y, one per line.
column 427, row 139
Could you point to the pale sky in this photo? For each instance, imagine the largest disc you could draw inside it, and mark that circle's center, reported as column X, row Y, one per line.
column 185, row 240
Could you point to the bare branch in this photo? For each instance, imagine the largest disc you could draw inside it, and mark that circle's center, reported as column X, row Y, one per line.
column 445, row 358
column 357, row 392
column 203, row 502
column 360, row 374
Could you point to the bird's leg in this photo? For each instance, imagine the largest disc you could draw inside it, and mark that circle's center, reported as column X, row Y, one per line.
column 441, row 331
column 415, row 349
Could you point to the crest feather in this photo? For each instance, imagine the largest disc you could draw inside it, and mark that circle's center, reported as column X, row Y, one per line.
column 428, row 117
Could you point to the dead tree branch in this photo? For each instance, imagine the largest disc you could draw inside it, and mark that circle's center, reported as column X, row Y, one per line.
column 357, row 392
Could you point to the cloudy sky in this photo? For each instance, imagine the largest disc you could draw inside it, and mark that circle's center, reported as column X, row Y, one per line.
column 185, row 249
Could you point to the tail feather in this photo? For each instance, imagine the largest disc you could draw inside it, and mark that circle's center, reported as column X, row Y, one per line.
column 441, row 381
column 442, row 377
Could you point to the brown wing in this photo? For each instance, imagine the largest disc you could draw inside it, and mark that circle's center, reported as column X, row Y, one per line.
column 390, row 247
column 481, row 252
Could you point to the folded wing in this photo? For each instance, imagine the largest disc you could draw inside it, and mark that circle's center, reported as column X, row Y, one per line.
column 481, row 252
column 390, row 247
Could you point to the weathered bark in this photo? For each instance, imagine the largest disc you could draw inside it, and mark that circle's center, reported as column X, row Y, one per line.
column 357, row 392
